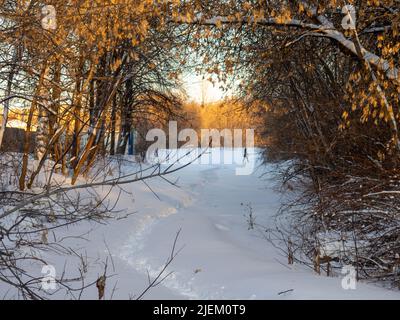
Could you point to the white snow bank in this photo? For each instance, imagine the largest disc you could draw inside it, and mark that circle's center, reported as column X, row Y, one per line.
column 220, row 257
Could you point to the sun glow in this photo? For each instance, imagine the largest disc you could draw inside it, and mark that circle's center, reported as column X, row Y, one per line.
column 201, row 90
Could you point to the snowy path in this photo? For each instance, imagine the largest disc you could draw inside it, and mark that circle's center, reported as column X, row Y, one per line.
column 221, row 258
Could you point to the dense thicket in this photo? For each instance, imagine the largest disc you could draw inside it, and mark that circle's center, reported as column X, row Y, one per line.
column 335, row 117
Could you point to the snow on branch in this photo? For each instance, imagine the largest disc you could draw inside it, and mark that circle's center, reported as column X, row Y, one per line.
column 324, row 28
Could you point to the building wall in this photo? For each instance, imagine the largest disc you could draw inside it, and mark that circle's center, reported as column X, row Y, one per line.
column 13, row 140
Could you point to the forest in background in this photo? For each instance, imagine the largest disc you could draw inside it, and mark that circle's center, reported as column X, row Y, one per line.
column 323, row 88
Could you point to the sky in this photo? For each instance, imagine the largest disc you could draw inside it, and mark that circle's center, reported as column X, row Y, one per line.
column 197, row 88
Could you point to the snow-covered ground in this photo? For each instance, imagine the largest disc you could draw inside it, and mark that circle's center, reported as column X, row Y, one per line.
column 220, row 257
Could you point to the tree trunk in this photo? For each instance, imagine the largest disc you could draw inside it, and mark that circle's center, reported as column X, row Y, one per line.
column 113, row 126
column 42, row 136
column 8, row 94
column 27, row 139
